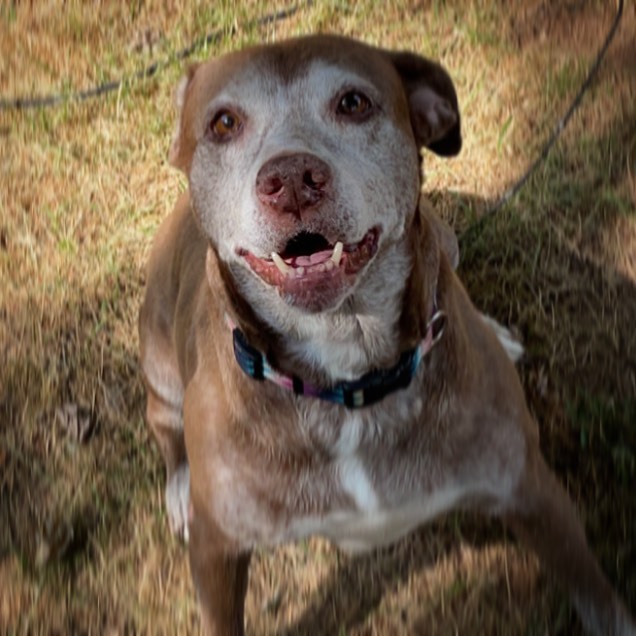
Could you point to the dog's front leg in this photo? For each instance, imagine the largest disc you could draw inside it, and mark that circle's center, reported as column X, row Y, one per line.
column 220, row 576
column 166, row 421
column 544, row 518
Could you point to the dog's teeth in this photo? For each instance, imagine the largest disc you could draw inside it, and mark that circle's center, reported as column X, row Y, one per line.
column 300, row 271
column 281, row 264
column 337, row 253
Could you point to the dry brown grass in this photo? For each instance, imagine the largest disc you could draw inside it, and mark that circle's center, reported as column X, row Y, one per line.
column 84, row 545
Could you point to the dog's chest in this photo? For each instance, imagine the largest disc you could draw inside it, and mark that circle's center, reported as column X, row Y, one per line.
column 368, row 480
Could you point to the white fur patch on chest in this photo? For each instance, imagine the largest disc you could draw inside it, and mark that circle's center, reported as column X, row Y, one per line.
column 374, row 526
column 354, row 480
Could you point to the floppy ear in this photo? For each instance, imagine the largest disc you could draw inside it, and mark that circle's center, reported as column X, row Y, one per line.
column 177, row 154
column 432, row 103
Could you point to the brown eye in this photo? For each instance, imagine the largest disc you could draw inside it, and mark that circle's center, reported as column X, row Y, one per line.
column 354, row 104
column 225, row 125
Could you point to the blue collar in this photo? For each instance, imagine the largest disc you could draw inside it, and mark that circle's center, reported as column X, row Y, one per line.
column 369, row 389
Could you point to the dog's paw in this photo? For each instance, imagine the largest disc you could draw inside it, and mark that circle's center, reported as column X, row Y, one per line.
column 177, row 501
column 510, row 343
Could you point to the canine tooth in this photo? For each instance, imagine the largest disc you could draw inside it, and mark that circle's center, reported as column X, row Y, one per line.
column 329, row 265
column 337, row 253
column 281, row 264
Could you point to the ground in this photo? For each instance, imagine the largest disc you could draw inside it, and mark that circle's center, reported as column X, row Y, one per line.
column 84, row 541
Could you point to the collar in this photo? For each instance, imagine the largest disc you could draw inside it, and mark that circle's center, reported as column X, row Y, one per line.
column 369, row 389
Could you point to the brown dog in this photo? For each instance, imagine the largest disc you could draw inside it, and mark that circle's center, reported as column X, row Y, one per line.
column 313, row 364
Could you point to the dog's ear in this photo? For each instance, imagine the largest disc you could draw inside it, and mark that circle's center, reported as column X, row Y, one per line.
column 177, row 153
column 432, row 103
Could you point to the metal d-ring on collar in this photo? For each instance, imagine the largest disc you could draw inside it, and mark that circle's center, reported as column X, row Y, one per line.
column 369, row 389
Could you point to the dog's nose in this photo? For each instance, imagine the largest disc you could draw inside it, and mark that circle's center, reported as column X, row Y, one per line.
column 293, row 184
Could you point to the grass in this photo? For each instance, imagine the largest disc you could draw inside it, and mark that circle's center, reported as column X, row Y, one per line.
column 84, row 544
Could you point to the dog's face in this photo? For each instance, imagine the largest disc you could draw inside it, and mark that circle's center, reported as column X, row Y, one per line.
column 303, row 161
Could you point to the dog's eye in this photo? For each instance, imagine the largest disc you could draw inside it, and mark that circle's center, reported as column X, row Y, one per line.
column 225, row 124
column 354, row 104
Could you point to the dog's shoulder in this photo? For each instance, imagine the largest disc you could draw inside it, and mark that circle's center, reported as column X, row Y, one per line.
column 178, row 246
column 175, row 273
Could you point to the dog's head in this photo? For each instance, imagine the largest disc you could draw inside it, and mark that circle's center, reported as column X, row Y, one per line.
column 303, row 160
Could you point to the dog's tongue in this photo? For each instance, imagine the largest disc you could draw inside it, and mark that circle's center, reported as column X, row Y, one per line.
column 310, row 259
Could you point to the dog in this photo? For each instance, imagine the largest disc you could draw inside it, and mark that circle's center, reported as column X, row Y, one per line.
column 313, row 364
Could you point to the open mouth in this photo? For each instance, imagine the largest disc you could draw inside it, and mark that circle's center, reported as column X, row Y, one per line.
column 310, row 271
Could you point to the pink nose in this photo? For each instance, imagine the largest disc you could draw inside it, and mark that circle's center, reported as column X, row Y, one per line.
column 292, row 184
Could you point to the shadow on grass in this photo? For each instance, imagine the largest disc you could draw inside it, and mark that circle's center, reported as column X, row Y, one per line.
column 64, row 501
column 358, row 584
